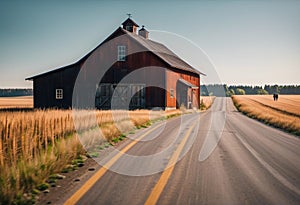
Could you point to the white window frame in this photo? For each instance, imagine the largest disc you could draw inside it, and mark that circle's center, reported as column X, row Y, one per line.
column 171, row 93
column 122, row 53
column 59, row 94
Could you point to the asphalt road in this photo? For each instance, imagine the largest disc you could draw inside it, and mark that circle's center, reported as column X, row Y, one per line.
column 215, row 157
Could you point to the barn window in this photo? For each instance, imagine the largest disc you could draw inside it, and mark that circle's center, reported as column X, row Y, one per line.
column 59, row 93
column 121, row 53
column 172, row 93
column 129, row 28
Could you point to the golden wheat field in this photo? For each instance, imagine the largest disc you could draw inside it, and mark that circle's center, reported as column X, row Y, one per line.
column 16, row 102
column 35, row 144
column 284, row 113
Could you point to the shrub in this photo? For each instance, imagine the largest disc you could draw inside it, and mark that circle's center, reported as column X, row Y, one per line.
column 262, row 92
column 240, row 91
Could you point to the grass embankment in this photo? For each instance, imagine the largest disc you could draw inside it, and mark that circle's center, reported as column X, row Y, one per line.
column 283, row 114
column 37, row 144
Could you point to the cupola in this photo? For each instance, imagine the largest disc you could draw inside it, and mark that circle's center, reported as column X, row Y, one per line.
column 130, row 25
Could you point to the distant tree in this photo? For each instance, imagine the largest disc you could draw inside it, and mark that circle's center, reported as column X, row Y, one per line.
column 240, row 91
column 222, row 90
column 272, row 88
column 215, row 89
column 12, row 92
column 232, row 92
column 228, row 93
column 277, row 89
column 203, row 90
column 262, row 92
column 290, row 89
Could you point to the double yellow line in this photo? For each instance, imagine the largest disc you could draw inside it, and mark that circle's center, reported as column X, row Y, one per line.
column 80, row 192
column 162, row 182
column 156, row 191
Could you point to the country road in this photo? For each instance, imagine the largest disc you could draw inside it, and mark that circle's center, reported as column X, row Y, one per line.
column 214, row 157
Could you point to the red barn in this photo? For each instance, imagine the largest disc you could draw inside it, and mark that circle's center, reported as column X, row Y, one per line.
column 159, row 78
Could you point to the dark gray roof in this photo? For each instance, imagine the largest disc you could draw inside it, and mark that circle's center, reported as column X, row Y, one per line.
column 158, row 49
column 130, row 21
column 163, row 53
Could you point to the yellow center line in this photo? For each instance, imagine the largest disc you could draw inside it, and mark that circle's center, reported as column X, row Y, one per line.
column 87, row 185
column 162, row 182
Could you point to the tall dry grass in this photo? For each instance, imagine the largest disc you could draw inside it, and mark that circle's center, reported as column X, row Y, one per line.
column 206, row 102
column 36, row 144
column 283, row 114
column 32, row 146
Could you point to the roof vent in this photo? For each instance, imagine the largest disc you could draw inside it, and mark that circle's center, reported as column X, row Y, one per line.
column 143, row 32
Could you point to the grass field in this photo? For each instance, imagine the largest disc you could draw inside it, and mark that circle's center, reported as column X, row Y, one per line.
column 283, row 114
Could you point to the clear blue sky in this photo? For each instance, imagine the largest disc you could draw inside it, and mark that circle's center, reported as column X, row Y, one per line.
column 249, row 42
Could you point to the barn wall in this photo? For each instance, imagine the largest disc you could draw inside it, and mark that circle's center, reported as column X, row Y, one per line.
column 155, row 97
column 45, row 86
column 172, row 76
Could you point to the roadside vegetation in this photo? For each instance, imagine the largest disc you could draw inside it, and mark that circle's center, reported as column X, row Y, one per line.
column 283, row 114
column 206, row 102
column 37, row 144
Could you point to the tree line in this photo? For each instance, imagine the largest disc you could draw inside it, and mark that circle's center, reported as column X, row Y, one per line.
column 223, row 90
column 206, row 90
column 13, row 92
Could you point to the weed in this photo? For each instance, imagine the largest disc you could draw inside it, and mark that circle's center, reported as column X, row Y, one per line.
column 94, row 154
column 43, row 186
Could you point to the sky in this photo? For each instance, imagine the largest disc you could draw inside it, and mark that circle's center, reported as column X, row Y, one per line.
column 244, row 42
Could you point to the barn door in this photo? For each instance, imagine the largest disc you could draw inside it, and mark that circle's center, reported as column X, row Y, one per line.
column 181, row 95
column 138, row 96
column 120, row 96
column 103, row 96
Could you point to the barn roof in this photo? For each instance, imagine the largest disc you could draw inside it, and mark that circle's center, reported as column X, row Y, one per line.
column 130, row 21
column 163, row 53
column 156, row 48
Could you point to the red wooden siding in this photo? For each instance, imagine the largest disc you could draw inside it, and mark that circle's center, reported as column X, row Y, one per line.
column 172, row 77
